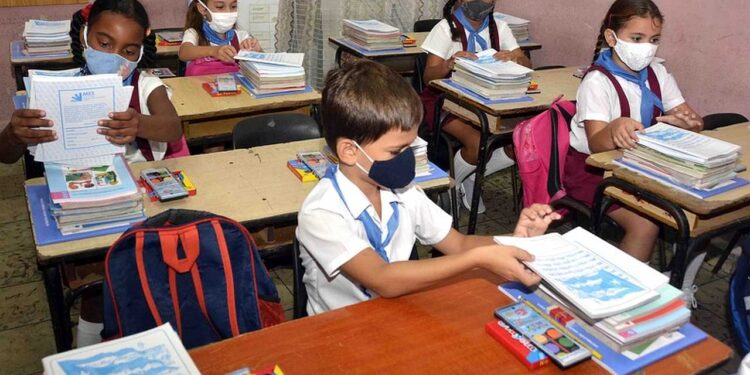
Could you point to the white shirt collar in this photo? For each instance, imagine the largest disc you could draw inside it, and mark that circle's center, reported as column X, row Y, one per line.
column 355, row 199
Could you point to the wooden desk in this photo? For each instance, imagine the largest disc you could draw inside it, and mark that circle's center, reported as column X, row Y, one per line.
column 696, row 220
column 166, row 56
column 252, row 186
column 205, row 118
column 439, row 331
column 553, row 83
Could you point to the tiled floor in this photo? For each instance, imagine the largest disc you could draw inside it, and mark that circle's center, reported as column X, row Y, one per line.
column 26, row 333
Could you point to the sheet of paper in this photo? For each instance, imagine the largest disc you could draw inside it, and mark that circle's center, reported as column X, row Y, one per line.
column 286, row 59
column 686, row 144
column 372, row 26
column 75, row 105
column 156, row 351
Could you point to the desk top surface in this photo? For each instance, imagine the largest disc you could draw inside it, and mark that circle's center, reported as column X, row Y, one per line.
column 552, row 83
column 236, row 184
column 192, row 102
column 160, row 51
column 738, row 134
column 439, row 331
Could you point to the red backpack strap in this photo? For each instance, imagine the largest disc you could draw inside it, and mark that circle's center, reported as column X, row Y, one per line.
column 228, row 276
column 135, row 103
column 236, row 42
column 494, row 42
column 653, row 84
column 462, row 32
column 624, row 104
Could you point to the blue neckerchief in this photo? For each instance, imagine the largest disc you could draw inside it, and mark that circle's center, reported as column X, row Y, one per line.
column 649, row 100
column 374, row 234
column 474, row 37
column 214, row 38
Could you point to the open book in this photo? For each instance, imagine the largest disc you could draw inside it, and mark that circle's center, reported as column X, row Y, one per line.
column 596, row 277
column 283, row 58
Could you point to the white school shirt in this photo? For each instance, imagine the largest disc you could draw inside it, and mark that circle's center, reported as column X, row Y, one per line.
column 597, row 100
column 330, row 236
column 146, row 85
column 439, row 42
column 190, row 35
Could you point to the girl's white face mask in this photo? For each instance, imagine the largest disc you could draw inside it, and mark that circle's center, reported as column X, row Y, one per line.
column 637, row 56
column 221, row 22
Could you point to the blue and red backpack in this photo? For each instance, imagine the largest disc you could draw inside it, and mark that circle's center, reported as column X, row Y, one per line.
column 198, row 271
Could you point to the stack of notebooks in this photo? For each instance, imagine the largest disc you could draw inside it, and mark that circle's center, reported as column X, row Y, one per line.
column 518, row 26
column 272, row 73
column 490, row 78
column 93, row 198
column 691, row 162
column 624, row 310
column 169, row 38
column 46, row 37
column 422, row 166
column 372, row 35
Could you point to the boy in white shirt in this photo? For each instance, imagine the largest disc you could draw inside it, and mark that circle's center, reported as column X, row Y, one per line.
column 358, row 225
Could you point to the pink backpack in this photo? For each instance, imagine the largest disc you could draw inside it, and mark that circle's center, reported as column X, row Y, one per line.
column 541, row 144
column 209, row 65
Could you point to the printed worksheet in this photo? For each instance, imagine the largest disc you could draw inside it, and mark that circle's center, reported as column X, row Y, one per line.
column 75, row 105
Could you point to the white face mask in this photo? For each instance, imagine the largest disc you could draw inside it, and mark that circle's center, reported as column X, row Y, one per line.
column 637, row 56
column 221, row 22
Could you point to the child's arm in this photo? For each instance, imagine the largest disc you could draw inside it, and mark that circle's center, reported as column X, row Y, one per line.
column 251, row 44
column 162, row 125
column 19, row 133
column 683, row 116
column 399, row 278
column 189, row 51
column 439, row 68
column 516, row 55
column 620, row 133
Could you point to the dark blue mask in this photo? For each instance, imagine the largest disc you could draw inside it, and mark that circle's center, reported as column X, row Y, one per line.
column 395, row 173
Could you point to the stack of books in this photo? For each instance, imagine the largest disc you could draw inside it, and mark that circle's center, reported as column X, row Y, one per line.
column 93, row 198
column 518, row 26
column 490, row 78
column 46, row 37
column 685, row 160
column 372, row 35
column 169, row 38
column 620, row 301
column 272, row 73
column 422, row 166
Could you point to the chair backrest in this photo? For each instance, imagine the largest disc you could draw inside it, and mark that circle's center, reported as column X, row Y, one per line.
column 423, row 26
column 718, row 120
column 274, row 128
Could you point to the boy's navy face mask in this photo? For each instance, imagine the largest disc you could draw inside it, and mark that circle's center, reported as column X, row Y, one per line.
column 477, row 9
column 395, row 173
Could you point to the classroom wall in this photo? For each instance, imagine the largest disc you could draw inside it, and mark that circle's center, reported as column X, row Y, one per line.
column 162, row 13
column 706, row 44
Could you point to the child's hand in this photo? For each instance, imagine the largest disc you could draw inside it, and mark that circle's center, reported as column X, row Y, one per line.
column 251, row 44
column 122, row 127
column 534, row 220
column 463, row 54
column 25, row 127
column 225, row 53
column 504, row 56
column 684, row 119
column 505, row 261
column 624, row 132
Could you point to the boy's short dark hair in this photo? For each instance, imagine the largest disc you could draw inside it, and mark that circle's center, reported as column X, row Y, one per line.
column 364, row 100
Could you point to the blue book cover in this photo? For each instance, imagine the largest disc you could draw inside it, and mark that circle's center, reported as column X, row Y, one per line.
column 435, row 173
column 613, row 361
column 703, row 194
column 487, row 101
column 251, row 88
column 108, row 182
column 45, row 227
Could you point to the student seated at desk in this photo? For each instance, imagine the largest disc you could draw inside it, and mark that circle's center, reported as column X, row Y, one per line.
column 109, row 37
column 632, row 30
column 358, row 225
column 469, row 27
column 211, row 39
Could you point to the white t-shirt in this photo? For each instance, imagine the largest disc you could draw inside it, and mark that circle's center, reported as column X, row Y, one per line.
column 330, row 236
column 146, row 85
column 439, row 42
column 190, row 35
column 597, row 100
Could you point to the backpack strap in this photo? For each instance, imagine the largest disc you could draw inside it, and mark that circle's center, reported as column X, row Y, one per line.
column 462, row 32
column 494, row 42
column 235, row 42
column 228, row 276
column 135, row 103
column 653, row 84
column 141, row 268
column 624, row 104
